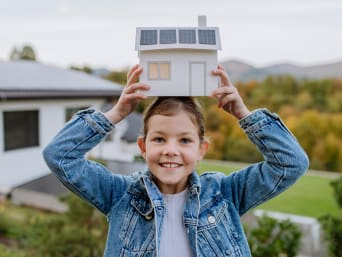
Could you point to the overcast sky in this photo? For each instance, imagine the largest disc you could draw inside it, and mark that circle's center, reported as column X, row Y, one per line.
column 102, row 33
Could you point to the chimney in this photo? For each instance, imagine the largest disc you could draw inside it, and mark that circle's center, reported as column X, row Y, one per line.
column 202, row 21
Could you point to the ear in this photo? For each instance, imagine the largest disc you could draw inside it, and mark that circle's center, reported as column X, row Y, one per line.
column 142, row 146
column 204, row 147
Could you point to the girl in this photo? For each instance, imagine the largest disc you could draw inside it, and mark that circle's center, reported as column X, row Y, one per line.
column 169, row 210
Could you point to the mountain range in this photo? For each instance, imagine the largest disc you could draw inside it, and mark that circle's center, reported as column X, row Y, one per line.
column 241, row 71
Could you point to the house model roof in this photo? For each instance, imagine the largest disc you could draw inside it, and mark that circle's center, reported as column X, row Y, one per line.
column 28, row 79
column 201, row 37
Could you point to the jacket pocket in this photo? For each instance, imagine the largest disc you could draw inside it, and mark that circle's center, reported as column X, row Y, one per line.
column 217, row 234
column 137, row 233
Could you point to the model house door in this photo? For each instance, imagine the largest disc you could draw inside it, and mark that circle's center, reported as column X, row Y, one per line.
column 197, row 79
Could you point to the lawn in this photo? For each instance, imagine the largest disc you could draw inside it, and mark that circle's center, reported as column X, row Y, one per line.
column 311, row 196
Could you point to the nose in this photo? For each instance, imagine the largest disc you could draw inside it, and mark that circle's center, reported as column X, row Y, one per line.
column 171, row 149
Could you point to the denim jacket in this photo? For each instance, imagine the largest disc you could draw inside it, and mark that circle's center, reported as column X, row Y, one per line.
column 134, row 205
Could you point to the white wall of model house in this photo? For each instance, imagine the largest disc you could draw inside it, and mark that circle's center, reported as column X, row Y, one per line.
column 178, row 61
column 190, row 72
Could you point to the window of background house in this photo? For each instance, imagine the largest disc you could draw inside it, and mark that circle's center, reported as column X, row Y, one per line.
column 69, row 112
column 21, row 129
column 159, row 71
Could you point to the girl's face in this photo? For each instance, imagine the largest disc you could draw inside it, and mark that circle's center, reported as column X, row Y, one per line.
column 171, row 150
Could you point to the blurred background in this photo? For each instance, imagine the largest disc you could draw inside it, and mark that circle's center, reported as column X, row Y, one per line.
column 101, row 33
column 57, row 57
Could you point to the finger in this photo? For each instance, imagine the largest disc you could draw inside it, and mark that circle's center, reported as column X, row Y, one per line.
column 220, row 67
column 220, row 71
column 223, row 90
column 135, row 97
column 226, row 99
column 129, row 73
column 136, row 87
column 134, row 75
column 223, row 76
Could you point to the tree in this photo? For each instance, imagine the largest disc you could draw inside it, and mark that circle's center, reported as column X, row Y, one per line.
column 117, row 76
column 85, row 69
column 26, row 52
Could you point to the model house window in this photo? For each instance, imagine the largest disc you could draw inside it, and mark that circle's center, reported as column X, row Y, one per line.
column 21, row 129
column 159, row 71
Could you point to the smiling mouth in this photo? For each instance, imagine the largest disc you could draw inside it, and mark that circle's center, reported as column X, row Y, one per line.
column 170, row 165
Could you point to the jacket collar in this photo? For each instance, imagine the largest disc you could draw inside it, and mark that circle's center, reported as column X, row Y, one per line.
column 146, row 196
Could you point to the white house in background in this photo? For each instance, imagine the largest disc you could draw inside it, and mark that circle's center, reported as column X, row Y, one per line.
column 178, row 61
column 35, row 102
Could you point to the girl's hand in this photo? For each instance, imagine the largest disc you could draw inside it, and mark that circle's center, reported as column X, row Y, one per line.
column 228, row 96
column 130, row 96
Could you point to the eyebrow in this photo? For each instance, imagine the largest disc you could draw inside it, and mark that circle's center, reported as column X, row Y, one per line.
column 163, row 133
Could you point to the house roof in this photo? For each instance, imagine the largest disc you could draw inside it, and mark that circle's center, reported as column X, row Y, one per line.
column 156, row 38
column 48, row 184
column 200, row 37
column 134, row 128
column 28, row 80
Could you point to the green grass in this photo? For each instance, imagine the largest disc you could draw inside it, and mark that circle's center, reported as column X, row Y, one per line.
column 311, row 196
column 215, row 166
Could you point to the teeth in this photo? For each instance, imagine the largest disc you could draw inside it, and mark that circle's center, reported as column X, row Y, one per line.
column 170, row 165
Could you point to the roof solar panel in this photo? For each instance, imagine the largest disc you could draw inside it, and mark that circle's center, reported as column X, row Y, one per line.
column 148, row 37
column 206, row 36
column 187, row 36
column 167, row 36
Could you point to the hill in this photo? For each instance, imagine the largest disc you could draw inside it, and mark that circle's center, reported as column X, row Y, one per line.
column 242, row 71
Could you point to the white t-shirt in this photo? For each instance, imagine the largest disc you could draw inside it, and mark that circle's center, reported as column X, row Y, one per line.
column 174, row 240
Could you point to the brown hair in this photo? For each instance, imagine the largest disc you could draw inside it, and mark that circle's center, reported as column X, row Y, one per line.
column 169, row 106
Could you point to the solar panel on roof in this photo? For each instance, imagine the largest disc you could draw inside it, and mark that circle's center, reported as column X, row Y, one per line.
column 167, row 36
column 187, row 36
column 148, row 37
column 206, row 36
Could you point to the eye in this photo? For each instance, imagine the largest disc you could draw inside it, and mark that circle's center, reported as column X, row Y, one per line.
column 185, row 140
column 158, row 140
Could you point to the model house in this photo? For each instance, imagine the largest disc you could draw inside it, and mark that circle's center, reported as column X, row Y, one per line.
column 36, row 100
column 178, row 61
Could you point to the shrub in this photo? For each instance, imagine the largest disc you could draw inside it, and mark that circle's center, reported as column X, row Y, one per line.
column 332, row 226
column 4, row 225
column 274, row 238
column 4, row 252
column 79, row 233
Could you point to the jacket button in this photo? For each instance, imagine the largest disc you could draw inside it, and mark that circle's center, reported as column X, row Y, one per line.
column 211, row 219
column 149, row 216
column 228, row 252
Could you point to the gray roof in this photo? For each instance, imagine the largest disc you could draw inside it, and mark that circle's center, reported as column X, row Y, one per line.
column 48, row 184
column 134, row 129
column 28, row 79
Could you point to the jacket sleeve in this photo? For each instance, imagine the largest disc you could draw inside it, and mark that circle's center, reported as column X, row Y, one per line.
column 65, row 156
column 284, row 162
